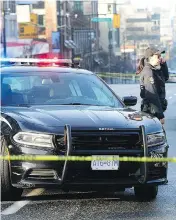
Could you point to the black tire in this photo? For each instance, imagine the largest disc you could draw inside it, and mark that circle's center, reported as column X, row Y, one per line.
column 146, row 193
column 8, row 192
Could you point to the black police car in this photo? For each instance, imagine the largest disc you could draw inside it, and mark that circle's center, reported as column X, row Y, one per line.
column 69, row 111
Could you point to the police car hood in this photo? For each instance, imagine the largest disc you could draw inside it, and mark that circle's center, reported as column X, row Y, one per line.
column 50, row 118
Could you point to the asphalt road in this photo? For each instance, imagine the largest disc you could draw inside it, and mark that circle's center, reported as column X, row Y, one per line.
column 40, row 204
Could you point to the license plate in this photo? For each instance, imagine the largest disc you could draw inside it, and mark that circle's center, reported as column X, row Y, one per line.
column 105, row 164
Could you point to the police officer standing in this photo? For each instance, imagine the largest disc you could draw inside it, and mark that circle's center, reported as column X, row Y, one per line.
column 152, row 85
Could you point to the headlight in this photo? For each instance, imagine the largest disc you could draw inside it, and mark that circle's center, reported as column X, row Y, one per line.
column 155, row 139
column 41, row 140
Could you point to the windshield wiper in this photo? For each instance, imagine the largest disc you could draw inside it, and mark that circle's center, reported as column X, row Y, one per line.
column 18, row 105
column 23, row 105
column 78, row 103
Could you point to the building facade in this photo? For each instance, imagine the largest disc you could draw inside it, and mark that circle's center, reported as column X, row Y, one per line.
column 9, row 17
column 18, row 42
column 109, row 38
column 78, row 34
column 166, row 27
column 139, row 29
column 39, row 8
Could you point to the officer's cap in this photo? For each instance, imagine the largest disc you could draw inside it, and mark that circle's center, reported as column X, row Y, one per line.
column 150, row 51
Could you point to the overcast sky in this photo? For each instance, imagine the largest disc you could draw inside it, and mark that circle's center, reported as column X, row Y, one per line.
column 154, row 3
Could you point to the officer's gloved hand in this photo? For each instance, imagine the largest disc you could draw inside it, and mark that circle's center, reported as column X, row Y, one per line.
column 162, row 60
column 162, row 121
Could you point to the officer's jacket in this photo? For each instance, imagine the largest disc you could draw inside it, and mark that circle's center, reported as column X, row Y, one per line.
column 153, row 89
column 165, row 71
column 159, row 78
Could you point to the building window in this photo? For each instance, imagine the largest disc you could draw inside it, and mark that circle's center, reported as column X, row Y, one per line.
column 41, row 20
column 132, row 20
column 22, row 30
column 109, row 9
column 155, row 28
column 41, row 30
column 9, row 5
column 39, row 5
column 58, row 6
column 135, row 28
column 60, row 20
column 95, row 7
column 78, row 6
column 12, row 6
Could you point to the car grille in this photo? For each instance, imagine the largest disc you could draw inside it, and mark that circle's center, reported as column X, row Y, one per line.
column 101, row 140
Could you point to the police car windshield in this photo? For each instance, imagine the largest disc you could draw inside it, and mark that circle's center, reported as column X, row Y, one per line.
column 48, row 88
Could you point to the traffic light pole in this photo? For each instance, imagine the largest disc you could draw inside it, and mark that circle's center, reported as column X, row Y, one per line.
column 4, row 34
column 110, row 46
column 116, row 24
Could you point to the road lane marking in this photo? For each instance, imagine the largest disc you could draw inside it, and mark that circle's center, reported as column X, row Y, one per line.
column 15, row 207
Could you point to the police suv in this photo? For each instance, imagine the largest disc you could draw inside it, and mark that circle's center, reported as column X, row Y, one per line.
column 51, row 108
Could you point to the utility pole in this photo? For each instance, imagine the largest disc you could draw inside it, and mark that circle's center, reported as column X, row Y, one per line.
column 72, row 36
column 110, row 46
column 65, row 29
column 110, row 37
column 90, row 35
column 117, row 24
column 124, row 45
column 4, row 33
column 59, row 23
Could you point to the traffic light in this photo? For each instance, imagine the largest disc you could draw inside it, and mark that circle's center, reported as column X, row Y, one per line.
column 116, row 21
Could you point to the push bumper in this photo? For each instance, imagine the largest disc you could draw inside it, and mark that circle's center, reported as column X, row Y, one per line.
column 78, row 175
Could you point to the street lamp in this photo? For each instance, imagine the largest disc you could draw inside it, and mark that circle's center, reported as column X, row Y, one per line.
column 4, row 31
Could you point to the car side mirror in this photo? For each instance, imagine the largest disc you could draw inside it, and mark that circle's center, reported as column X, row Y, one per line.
column 129, row 100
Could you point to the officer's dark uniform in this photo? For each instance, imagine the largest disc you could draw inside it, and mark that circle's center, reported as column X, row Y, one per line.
column 152, row 85
column 165, row 71
column 152, row 91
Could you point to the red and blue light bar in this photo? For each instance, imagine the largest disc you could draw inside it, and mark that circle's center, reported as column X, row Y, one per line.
column 34, row 60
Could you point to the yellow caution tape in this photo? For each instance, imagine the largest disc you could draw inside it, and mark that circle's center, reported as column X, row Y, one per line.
column 86, row 158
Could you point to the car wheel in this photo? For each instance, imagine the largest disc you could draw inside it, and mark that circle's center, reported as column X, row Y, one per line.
column 8, row 192
column 146, row 192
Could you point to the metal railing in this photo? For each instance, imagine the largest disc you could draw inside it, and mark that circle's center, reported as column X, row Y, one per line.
column 127, row 78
